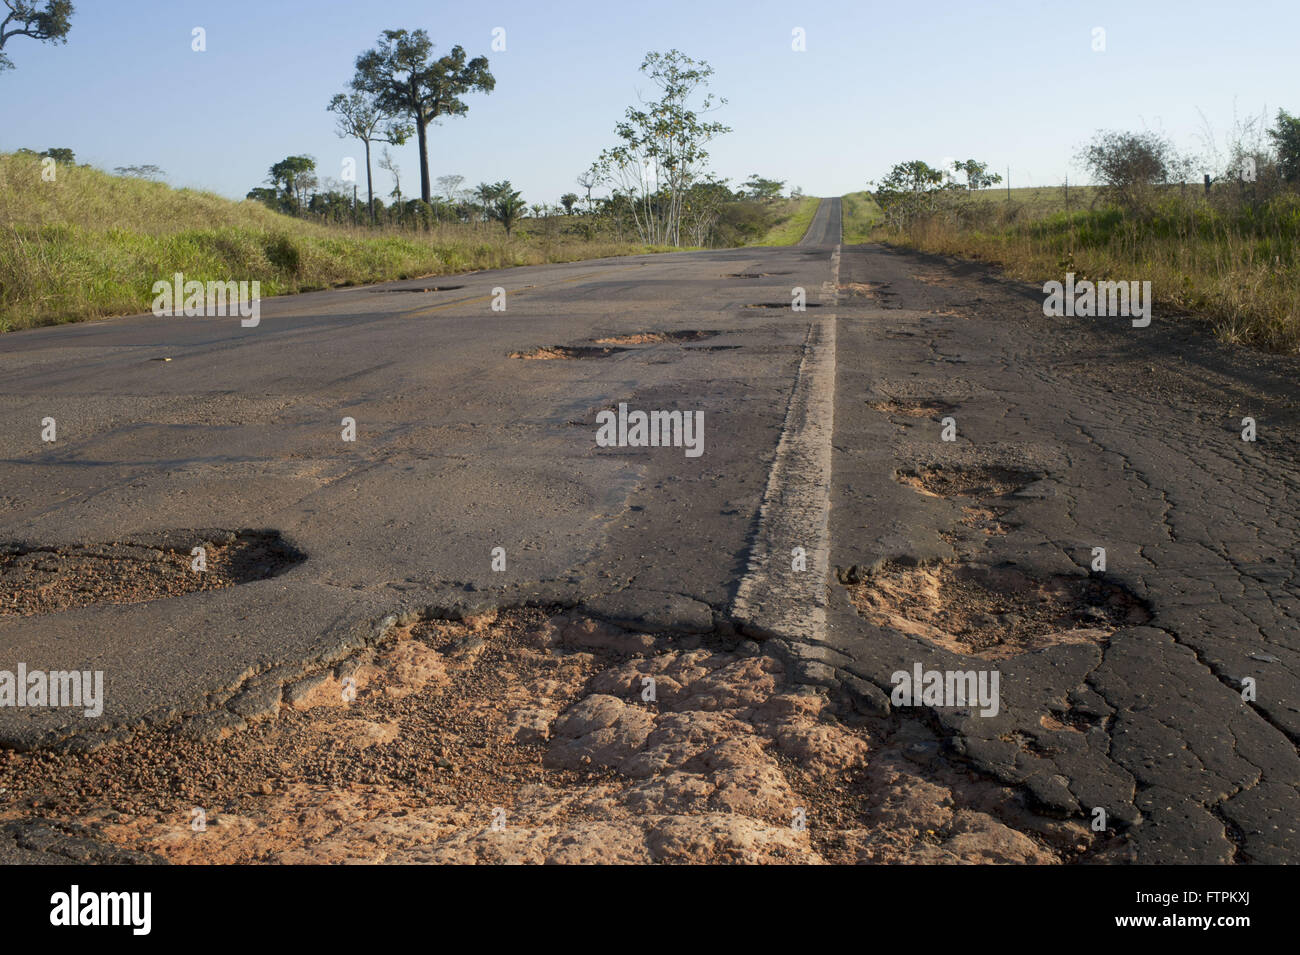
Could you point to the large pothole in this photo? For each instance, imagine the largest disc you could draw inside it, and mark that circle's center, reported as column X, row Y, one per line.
column 38, row 579
column 567, row 352
column 651, row 338
column 914, row 407
column 542, row 736
column 966, row 480
column 879, row 292
column 994, row 612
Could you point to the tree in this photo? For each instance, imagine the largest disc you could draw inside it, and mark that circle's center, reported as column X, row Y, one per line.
column 764, row 190
column 588, row 181
column 389, row 165
column 451, row 185
column 1129, row 165
column 296, row 177
column 359, row 117
column 148, row 171
column 662, row 152
column 49, row 24
column 60, row 154
column 507, row 206
column 1286, row 141
column 333, row 202
column 703, row 207
column 569, row 200
column 265, row 195
column 419, row 213
column 486, row 194
column 404, row 81
column 909, row 191
column 977, row 174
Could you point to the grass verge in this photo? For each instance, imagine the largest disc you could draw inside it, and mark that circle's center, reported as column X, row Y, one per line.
column 90, row 244
column 859, row 216
column 792, row 222
column 1221, row 259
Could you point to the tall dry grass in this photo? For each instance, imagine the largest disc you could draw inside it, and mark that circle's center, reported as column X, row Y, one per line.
column 1224, row 258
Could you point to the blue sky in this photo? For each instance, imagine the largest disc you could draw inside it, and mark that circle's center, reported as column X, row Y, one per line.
column 1012, row 82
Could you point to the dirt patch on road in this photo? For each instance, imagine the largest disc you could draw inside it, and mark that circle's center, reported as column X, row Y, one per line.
column 538, row 736
column 913, row 407
column 566, row 352
column 879, row 292
column 966, row 480
column 37, row 579
column 985, row 519
column 651, row 338
column 994, row 613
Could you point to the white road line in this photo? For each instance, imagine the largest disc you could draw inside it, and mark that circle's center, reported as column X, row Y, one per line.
column 774, row 599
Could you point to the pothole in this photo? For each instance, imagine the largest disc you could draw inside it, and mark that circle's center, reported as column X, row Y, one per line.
column 913, row 407
column 538, row 735
column 753, row 275
column 987, row 520
column 36, row 579
column 427, row 288
column 976, row 480
column 868, row 289
column 781, row 305
column 650, row 338
column 994, row 612
column 565, row 352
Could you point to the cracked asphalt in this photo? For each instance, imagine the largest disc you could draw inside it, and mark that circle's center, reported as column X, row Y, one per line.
column 1132, row 438
column 1129, row 440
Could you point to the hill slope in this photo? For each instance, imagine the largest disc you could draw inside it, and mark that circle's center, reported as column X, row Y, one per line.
column 91, row 244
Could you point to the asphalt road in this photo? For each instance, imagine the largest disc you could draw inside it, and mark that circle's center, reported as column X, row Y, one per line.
column 1123, row 438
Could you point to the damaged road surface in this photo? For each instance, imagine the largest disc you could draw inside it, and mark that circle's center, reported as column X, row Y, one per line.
column 363, row 585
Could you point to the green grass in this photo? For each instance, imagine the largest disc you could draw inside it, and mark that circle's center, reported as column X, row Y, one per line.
column 1041, row 200
column 1231, row 263
column 792, row 222
column 859, row 216
column 90, row 244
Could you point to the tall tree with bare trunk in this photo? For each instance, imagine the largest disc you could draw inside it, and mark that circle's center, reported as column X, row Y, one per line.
column 404, row 79
column 359, row 117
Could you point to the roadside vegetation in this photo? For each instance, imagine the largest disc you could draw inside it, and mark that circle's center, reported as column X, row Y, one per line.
column 794, row 218
column 859, row 217
column 78, row 243
column 90, row 244
column 1228, row 254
